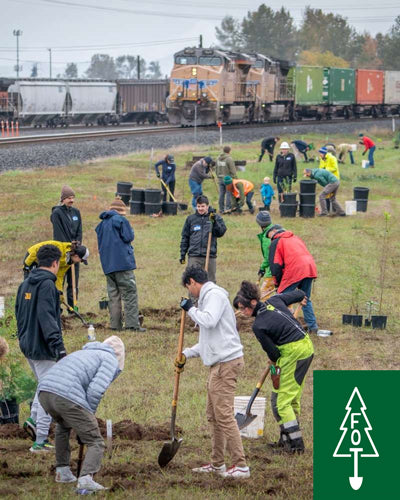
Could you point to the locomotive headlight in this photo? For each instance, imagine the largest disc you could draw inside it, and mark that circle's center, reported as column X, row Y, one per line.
column 194, row 71
column 204, row 94
column 221, row 107
column 179, row 94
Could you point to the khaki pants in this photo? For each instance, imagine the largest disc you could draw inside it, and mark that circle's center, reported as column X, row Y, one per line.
column 224, row 430
column 69, row 415
column 331, row 189
column 201, row 262
column 121, row 286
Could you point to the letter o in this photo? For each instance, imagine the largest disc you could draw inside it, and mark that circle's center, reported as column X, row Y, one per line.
column 352, row 437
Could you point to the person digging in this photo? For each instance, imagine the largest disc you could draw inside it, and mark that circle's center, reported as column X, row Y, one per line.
column 70, row 392
column 330, row 183
column 291, row 352
column 242, row 191
column 220, row 349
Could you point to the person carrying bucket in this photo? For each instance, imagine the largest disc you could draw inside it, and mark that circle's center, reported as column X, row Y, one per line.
column 168, row 168
column 291, row 352
column 369, row 146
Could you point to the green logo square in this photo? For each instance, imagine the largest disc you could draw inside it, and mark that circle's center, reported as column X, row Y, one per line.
column 356, row 434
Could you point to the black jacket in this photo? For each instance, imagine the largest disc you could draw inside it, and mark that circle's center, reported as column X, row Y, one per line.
column 285, row 166
column 275, row 325
column 37, row 309
column 268, row 144
column 67, row 223
column 195, row 235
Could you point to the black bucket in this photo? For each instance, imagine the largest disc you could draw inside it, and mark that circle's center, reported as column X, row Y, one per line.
column 307, row 199
column 152, row 208
column 152, row 196
column 360, row 193
column 10, row 411
column 362, row 205
column 307, row 210
column 137, row 207
column 379, row 322
column 357, row 320
column 124, row 187
column 288, row 198
column 170, row 208
column 347, row 319
column 287, row 210
column 308, row 185
column 124, row 197
column 137, row 194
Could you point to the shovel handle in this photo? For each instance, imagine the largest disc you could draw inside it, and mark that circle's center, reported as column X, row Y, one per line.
column 257, row 389
column 297, row 311
column 73, row 285
column 168, row 190
column 179, row 353
column 208, row 250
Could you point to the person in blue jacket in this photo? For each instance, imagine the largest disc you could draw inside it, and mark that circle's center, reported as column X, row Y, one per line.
column 114, row 238
column 267, row 193
column 70, row 392
column 168, row 168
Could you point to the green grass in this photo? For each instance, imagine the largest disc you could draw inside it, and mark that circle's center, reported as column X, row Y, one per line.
column 347, row 251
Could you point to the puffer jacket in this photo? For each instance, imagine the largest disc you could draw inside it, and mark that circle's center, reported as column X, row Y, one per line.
column 195, row 234
column 83, row 376
column 330, row 164
column 114, row 237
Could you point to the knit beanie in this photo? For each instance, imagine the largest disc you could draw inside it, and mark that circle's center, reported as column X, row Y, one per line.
column 119, row 349
column 119, row 206
column 227, row 180
column 66, row 192
column 208, row 160
column 263, row 218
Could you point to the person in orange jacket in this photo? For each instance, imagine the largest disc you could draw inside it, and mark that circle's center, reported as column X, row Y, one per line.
column 242, row 191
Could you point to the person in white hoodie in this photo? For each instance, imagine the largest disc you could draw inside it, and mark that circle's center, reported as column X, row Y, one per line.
column 219, row 347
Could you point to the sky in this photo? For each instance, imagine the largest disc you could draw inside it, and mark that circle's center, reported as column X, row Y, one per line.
column 74, row 30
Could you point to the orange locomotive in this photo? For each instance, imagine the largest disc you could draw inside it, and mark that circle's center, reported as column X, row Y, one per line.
column 211, row 85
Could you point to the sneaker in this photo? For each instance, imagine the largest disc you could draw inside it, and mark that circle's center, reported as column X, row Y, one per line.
column 221, row 470
column 322, row 214
column 64, row 475
column 138, row 329
column 30, row 428
column 41, row 447
column 237, row 472
column 87, row 483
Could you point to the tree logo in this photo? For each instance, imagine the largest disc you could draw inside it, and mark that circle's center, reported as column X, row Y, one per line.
column 358, row 442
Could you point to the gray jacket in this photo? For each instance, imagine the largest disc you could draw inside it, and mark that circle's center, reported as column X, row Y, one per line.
column 199, row 172
column 83, row 376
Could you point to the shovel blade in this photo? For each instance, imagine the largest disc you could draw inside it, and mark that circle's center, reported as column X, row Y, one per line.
column 243, row 420
column 168, row 452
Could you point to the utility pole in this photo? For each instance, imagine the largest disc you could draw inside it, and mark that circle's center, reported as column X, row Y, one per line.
column 50, row 60
column 17, row 33
column 200, row 41
column 138, row 67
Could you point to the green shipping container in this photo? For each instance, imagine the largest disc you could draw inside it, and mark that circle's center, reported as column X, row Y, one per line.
column 309, row 85
column 339, row 86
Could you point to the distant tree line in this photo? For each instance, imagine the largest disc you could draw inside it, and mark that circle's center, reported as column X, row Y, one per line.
column 323, row 39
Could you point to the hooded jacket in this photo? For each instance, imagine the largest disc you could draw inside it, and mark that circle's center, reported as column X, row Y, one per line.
column 275, row 325
column 114, row 237
column 219, row 339
column 67, row 223
column 195, row 234
column 323, row 177
column 37, row 309
column 329, row 163
column 289, row 260
column 285, row 166
column 265, row 245
column 83, row 376
column 226, row 166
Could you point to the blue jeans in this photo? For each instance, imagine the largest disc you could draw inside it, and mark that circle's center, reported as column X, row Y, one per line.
column 196, row 191
column 309, row 317
column 371, row 156
column 249, row 197
column 351, row 157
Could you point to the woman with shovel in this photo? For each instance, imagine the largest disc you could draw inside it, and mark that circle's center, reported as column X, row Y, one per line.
column 290, row 350
column 167, row 175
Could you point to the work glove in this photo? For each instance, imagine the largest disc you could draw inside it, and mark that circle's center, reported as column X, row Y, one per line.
column 294, row 179
column 158, row 174
column 274, row 180
column 180, row 363
column 212, row 216
column 182, row 260
column 261, row 272
column 186, row 304
column 364, row 153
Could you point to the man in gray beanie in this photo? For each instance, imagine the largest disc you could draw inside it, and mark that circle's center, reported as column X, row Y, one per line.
column 67, row 227
column 263, row 219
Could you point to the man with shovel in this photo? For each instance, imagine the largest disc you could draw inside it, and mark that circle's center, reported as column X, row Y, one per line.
column 71, row 392
column 167, row 175
column 220, row 348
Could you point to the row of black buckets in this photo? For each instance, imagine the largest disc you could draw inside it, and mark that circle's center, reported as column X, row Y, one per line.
column 145, row 201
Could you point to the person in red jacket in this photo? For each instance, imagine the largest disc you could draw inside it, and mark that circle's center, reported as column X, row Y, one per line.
column 293, row 266
column 369, row 146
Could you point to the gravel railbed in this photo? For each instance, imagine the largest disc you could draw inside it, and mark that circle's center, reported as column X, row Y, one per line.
column 65, row 153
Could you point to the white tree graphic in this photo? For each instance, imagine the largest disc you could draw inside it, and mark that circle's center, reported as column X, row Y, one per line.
column 358, row 442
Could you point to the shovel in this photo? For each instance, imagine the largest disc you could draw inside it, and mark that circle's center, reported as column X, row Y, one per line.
column 74, row 298
column 181, row 206
column 170, row 448
column 243, row 420
column 72, row 310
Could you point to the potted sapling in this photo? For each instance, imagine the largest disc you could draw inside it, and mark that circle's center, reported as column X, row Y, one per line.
column 287, row 200
column 356, row 294
column 370, row 306
column 379, row 321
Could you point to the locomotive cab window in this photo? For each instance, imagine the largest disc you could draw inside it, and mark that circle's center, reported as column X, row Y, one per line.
column 185, row 60
column 258, row 64
column 210, row 61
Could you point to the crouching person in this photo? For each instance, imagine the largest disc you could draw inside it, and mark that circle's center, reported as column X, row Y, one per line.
column 220, row 348
column 71, row 392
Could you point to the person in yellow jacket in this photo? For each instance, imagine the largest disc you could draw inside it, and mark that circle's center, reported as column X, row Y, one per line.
column 71, row 253
column 242, row 191
column 329, row 162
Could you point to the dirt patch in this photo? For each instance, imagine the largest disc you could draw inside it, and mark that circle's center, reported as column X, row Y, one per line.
column 12, row 431
column 126, row 429
column 161, row 313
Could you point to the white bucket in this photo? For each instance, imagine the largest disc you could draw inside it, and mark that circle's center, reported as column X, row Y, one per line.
column 256, row 428
column 1, row 307
column 353, row 147
column 351, row 207
column 365, row 163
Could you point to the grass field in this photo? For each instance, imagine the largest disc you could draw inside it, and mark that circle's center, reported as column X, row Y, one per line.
column 349, row 254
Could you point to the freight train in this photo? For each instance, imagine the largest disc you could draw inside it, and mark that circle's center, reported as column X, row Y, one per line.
column 40, row 102
column 211, row 85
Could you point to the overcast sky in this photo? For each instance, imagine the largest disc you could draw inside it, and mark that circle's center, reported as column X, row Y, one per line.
column 155, row 29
